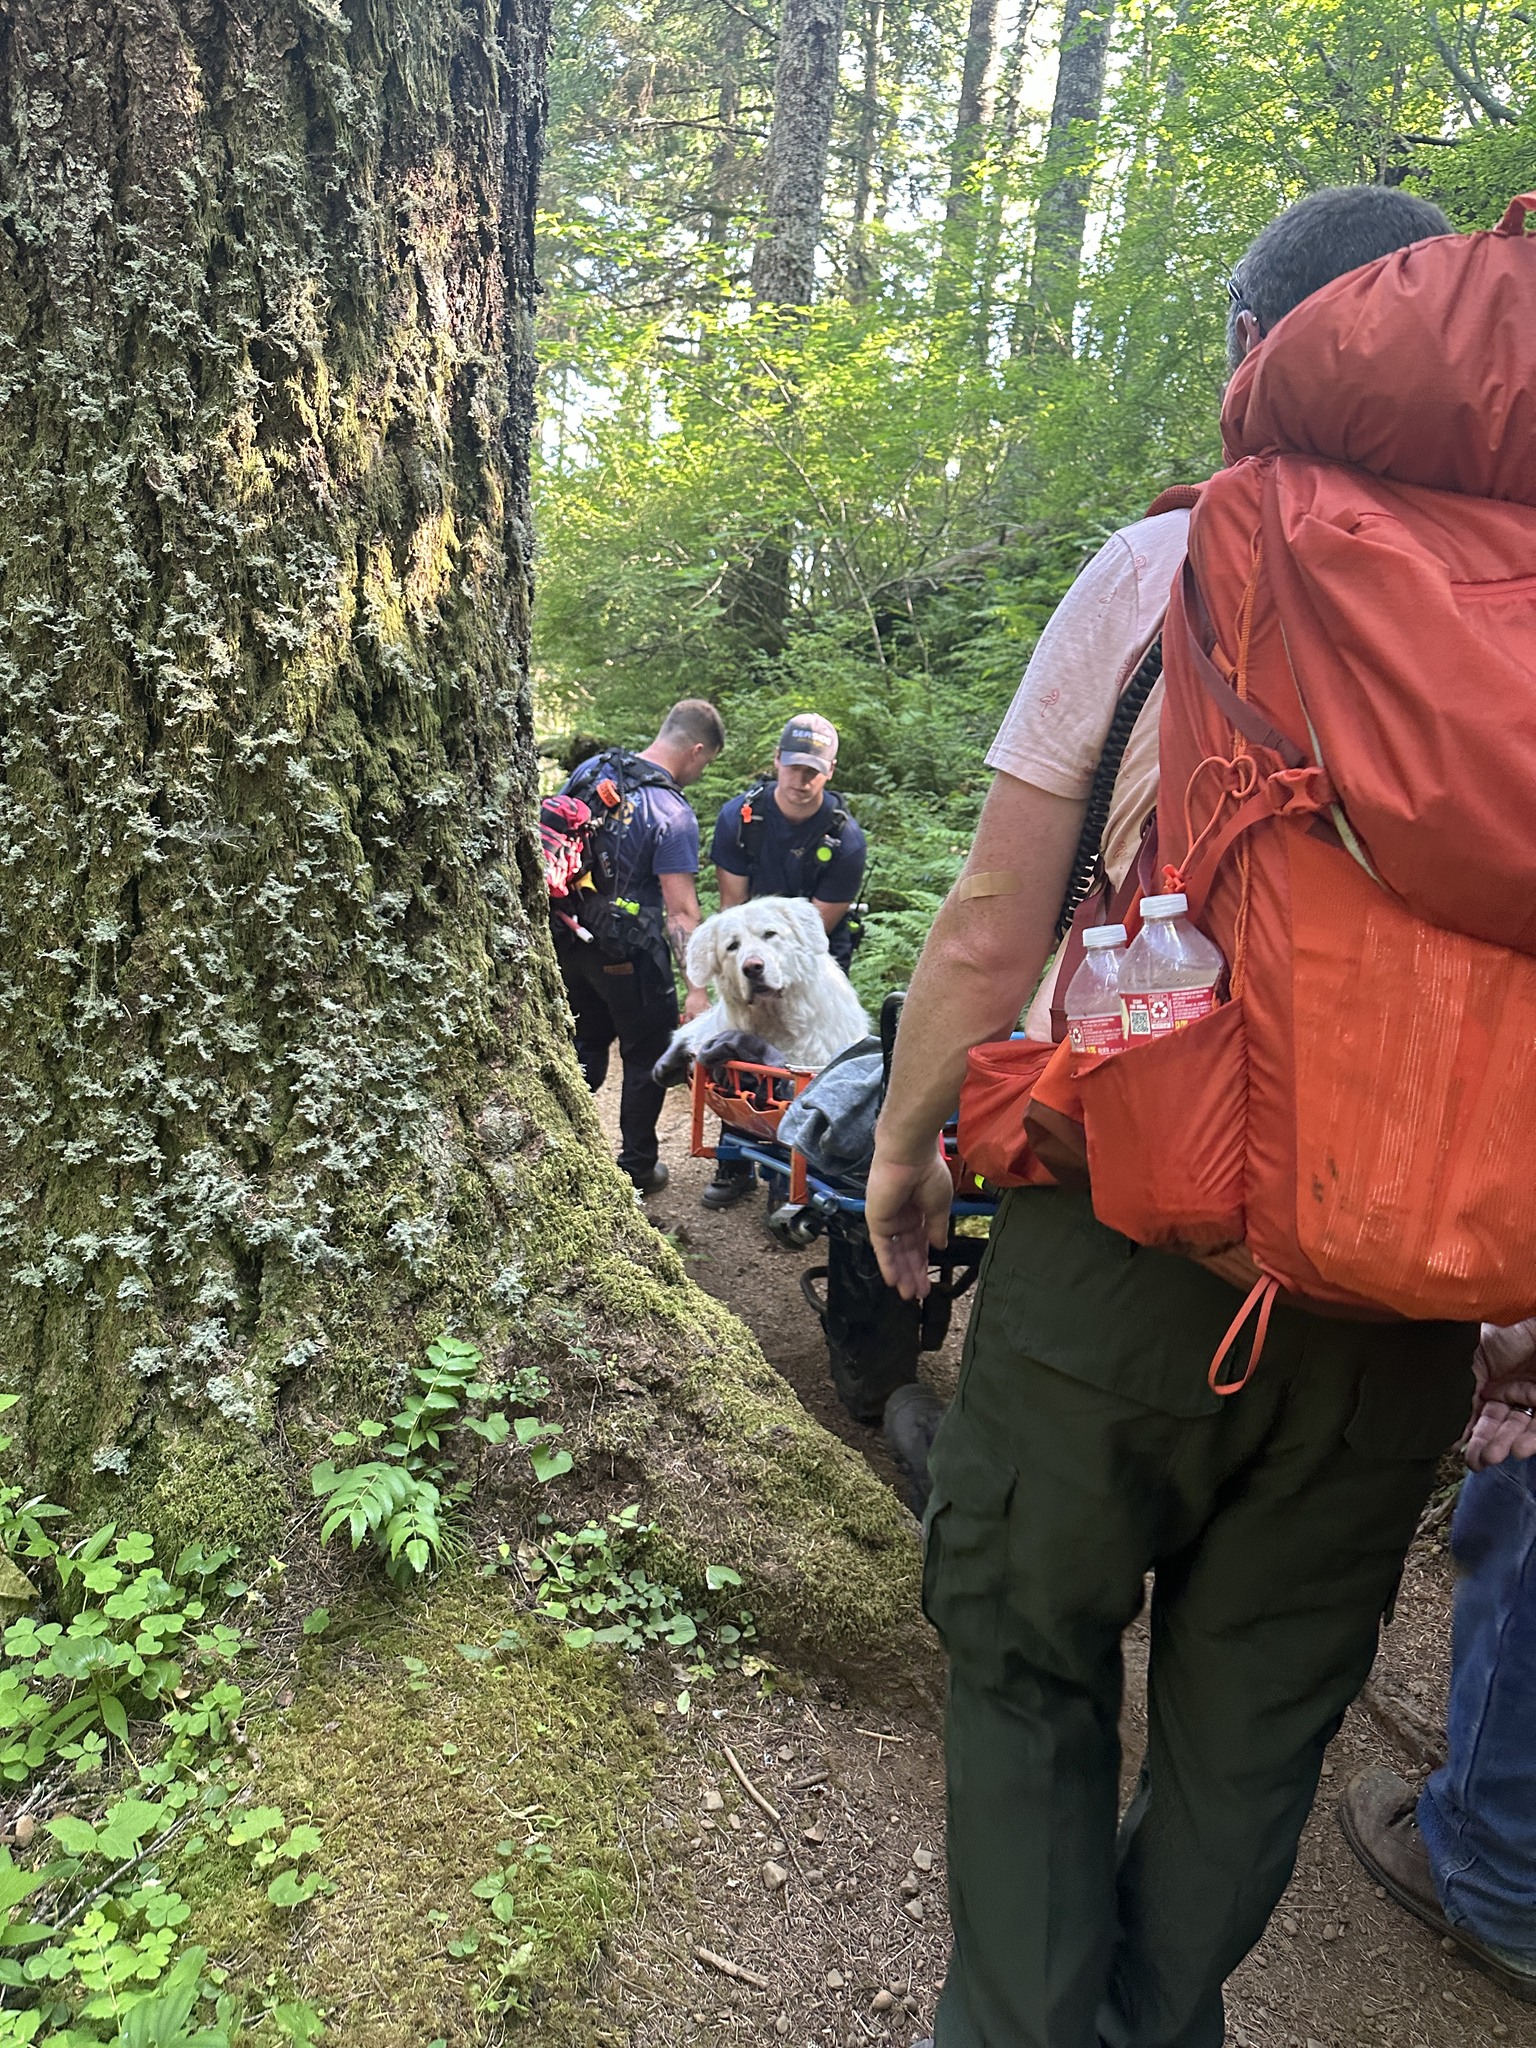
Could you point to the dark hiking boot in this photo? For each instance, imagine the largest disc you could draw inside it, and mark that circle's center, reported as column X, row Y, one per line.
column 911, row 1421
column 734, row 1178
column 1379, row 1816
column 653, row 1180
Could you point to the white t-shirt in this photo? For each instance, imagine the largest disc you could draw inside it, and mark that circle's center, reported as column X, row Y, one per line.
column 1056, row 726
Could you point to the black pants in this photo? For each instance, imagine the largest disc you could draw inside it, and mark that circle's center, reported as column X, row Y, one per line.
column 1275, row 1528
column 635, row 1002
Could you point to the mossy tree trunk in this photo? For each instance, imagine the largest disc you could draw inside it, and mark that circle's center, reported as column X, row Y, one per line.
column 266, row 888
column 285, row 1084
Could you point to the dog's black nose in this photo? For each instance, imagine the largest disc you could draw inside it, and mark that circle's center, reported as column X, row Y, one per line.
column 753, row 969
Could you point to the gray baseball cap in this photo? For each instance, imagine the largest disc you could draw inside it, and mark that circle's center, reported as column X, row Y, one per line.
column 809, row 742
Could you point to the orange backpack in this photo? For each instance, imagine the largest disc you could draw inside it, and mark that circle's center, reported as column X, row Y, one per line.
column 1348, row 774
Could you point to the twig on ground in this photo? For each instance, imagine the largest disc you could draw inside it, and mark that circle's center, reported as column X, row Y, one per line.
column 1412, row 1731
column 749, row 1788
column 727, row 1968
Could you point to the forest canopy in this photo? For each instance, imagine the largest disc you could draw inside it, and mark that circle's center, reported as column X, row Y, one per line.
column 1014, row 226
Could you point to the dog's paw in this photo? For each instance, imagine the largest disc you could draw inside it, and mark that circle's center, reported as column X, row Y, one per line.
column 746, row 1047
column 673, row 1066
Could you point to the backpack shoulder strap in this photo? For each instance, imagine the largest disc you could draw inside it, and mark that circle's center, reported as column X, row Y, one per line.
column 752, row 823
column 1177, row 498
column 643, row 774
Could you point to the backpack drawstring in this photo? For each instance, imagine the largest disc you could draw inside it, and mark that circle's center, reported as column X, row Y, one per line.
column 1261, row 1297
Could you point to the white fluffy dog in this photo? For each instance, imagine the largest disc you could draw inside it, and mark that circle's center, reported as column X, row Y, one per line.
column 774, row 979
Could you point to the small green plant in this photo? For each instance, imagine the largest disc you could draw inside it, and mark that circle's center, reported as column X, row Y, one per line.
column 596, row 1582
column 401, row 1498
column 513, row 1939
column 119, row 1684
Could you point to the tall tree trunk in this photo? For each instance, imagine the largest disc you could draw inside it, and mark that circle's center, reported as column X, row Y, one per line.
column 285, row 1081
column 867, row 142
column 1007, row 122
column 957, row 279
column 724, row 157
column 1062, row 211
column 268, row 892
column 757, row 595
column 795, row 168
column 978, row 96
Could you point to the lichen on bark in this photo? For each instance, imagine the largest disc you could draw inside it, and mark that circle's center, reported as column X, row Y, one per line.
column 265, row 875
column 285, row 1088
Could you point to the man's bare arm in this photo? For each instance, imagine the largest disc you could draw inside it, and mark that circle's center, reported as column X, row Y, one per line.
column 832, row 914
column 734, row 889
column 680, row 897
column 979, row 967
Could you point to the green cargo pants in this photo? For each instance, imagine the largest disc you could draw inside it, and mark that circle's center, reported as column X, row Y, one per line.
column 1275, row 1525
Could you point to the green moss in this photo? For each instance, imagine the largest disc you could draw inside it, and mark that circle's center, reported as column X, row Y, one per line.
column 209, row 1486
column 412, row 1792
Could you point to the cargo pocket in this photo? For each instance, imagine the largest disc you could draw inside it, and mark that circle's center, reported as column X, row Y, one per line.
column 1167, row 1134
column 1415, row 1394
column 965, row 1562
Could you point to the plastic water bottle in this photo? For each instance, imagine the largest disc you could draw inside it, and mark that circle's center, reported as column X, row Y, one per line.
column 1095, row 1024
column 1170, row 972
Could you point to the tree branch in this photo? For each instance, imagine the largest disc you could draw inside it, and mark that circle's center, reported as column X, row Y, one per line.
column 1472, row 86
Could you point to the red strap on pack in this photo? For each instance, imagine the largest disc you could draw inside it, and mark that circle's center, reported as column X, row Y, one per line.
column 1254, row 796
column 1249, row 721
column 1261, row 1297
column 1177, row 498
column 1514, row 221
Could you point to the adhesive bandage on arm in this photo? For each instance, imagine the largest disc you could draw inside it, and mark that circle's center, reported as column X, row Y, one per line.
column 994, row 882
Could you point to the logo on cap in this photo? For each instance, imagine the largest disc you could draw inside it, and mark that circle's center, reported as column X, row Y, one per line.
column 808, row 741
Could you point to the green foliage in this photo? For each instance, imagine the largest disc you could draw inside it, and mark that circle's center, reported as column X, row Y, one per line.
column 401, row 1500
column 936, row 470
column 596, row 1582
column 126, row 1639
column 124, row 1668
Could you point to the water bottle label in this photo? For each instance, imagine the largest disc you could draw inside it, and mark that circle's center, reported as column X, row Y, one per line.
column 1164, row 1010
column 1097, row 1034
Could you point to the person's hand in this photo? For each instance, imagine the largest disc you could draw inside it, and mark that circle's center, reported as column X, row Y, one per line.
column 696, row 1005
column 1504, row 1406
column 906, row 1209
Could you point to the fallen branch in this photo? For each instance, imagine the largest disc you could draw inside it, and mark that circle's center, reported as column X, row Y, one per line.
column 727, row 1968
column 1413, row 1732
column 749, row 1788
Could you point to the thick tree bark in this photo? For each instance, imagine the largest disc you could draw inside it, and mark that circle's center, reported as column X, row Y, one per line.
column 267, row 888
column 286, row 1083
column 795, row 168
column 1062, row 211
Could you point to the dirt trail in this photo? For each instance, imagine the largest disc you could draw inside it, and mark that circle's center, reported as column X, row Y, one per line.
column 850, row 1946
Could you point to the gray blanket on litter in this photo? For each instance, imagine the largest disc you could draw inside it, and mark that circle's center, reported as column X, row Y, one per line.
column 833, row 1122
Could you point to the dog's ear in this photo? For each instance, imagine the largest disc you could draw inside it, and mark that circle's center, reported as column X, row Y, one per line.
column 805, row 921
column 704, row 953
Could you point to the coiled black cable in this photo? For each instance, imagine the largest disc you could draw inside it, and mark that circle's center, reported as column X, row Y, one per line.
column 1084, row 871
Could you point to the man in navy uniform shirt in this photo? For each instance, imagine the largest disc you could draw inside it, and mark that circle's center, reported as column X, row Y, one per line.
column 792, row 836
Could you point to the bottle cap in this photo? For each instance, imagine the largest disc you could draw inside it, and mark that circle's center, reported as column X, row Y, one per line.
column 1164, row 906
column 1103, row 935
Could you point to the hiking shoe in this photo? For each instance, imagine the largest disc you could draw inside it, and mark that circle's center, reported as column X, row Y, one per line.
column 733, row 1179
column 1379, row 1816
column 653, row 1180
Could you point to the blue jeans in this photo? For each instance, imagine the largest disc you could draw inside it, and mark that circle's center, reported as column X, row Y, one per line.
column 1478, row 1813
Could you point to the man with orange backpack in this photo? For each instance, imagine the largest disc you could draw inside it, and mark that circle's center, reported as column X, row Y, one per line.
column 1333, row 1138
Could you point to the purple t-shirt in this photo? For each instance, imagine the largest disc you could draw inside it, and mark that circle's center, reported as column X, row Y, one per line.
column 658, row 834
